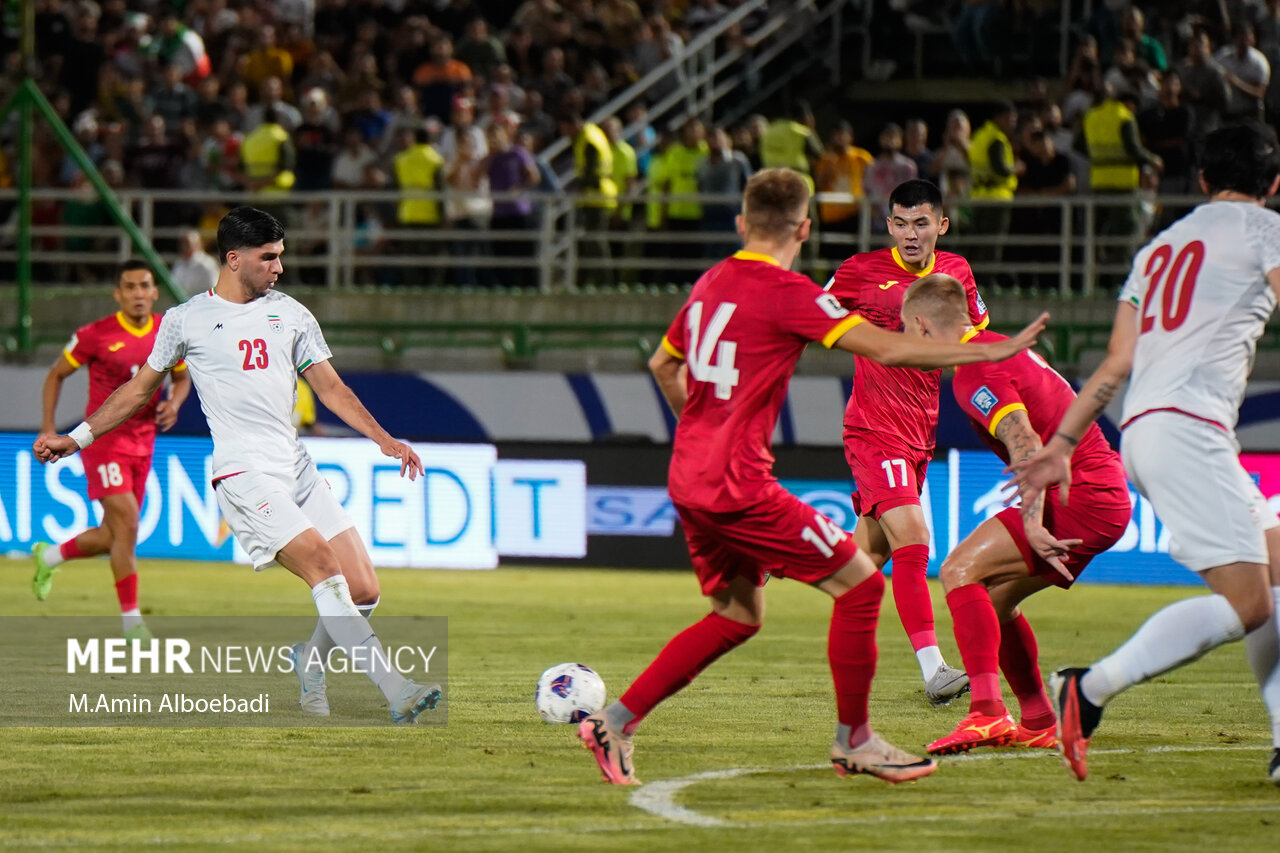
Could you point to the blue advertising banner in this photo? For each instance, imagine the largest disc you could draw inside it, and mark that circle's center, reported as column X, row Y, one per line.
column 468, row 508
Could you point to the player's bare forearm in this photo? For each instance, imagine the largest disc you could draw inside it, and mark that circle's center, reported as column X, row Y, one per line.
column 1021, row 441
column 670, row 374
column 167, row 411
column 125, row 401
column 60, row 370
column 1106, row 381
column 343, row 402
column 898, row 350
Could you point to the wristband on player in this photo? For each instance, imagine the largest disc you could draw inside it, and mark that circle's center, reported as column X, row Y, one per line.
column 82, row 435
column 1068, row 439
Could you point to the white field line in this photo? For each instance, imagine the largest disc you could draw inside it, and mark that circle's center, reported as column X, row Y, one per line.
column 658, row 798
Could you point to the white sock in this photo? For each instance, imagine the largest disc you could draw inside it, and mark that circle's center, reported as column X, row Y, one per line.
column 1262, row 646
column 320, row 640
column 1173, row 636
column 53, row 556
column 350, row 632
column 930, row 658
column 131, row 618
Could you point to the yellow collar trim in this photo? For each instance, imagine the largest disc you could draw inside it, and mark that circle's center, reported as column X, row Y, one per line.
column 136, row 331
column 756, row 256
column 969, row 335
column 897, row 259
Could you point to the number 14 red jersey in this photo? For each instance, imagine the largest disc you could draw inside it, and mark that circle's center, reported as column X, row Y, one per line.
column 901, row 401
column 741, row 333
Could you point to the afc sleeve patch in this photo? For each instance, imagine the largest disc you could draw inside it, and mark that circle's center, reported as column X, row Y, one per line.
column 832, row 306
column 983, row 400
column 977, row 300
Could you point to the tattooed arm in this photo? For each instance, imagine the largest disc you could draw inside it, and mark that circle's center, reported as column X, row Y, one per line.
column 1018, row 437
column 1052, row 463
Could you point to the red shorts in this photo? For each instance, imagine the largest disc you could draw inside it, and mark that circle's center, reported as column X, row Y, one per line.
column 109, row 473
column 781, row 535
column 886, row 473
column 1096, row 514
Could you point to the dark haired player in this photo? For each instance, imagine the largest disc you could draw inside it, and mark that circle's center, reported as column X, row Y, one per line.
column 892, row 416
column 246, row 343
column 1015, row 405
column 724, row 366
column 114, row 349
column 1185, row 332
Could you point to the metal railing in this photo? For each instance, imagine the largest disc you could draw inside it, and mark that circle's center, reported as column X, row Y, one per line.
column 1068, row 244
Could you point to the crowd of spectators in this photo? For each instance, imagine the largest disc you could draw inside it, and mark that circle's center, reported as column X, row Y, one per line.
column 308, row 95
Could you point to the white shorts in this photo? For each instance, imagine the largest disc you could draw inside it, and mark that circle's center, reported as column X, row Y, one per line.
column 1190, row 471
column 267, row 511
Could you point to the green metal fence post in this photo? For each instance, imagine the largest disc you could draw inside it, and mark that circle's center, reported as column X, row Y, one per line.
column 23, row 102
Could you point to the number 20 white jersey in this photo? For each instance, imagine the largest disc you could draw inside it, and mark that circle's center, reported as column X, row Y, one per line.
column 1203, row 299
column 244, row 361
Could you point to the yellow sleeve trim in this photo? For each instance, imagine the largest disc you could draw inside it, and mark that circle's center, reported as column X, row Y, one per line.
column 1002, row 414
column 671, row 349
column 838, row 330
column 71, row 359
column 182, row 365
column 986, row 321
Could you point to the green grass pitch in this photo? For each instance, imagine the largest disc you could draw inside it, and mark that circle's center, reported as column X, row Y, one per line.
column 1177, row 764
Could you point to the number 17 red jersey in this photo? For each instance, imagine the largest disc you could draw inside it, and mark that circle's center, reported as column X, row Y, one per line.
column 901, row 401
column 741, row 333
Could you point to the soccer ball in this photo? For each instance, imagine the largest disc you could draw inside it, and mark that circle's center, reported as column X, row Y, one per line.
column 569, row 693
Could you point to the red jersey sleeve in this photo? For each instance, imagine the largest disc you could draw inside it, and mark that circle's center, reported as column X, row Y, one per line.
column 82, row 347
column 845, row 285
column 987, row 394
column 675, row 341
column 978, row 316
column 812, row 314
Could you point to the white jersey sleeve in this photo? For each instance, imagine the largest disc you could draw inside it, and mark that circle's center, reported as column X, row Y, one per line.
column 170, row 347
column 1262, row 235
column 310, row 346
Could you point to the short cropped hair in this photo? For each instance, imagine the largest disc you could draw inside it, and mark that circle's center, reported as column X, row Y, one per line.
column 775, row 202
column 247, row 227
column 939, row 297
column 1243, row 158
column 915, row 192
column 131, row 265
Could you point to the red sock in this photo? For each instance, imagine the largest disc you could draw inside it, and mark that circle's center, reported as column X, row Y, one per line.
column 978, row 636
column 1020, row 663
column 687, row 654
column 851, row 649
column 911, row 595
column 70, row 550
column 127, row 592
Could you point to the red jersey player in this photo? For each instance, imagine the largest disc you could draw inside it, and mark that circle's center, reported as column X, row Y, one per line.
column 116, row 467
column 724, row 366
column 1016, row 405
column 892, row 416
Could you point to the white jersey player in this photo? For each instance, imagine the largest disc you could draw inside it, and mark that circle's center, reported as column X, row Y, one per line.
column 1185, row 332
column 245, row 345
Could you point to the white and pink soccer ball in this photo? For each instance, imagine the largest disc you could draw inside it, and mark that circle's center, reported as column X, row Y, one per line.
column 569, row 693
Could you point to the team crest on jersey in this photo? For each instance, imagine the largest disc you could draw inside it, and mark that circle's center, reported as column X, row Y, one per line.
column 264, row 509
column 983, row 400
column 275, row 322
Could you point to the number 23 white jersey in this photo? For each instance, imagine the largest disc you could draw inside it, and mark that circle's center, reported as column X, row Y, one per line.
column 244, row 361
column 1202, row 296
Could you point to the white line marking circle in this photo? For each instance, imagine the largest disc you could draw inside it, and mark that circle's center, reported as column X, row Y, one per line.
column 658, row 798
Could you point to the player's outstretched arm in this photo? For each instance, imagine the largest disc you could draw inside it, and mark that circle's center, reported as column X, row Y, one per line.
column 344, row 403
column 167, row 411
column 118, row 408
column 670, row 374
column 60, row 370
column 1052, row 463
column 1021, row 442
column 897, row 350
